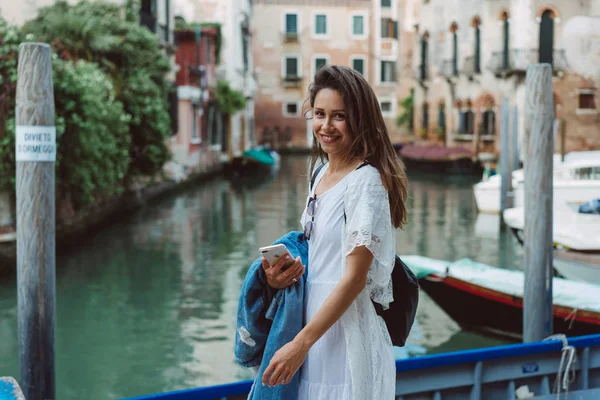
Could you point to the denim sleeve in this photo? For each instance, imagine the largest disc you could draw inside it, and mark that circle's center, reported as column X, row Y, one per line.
column 253, row 326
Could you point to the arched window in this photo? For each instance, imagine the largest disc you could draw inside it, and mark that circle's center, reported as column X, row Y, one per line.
column 546, row 45
column 488, row 120
column 505, row 39
column 441, row 117
column 477, row 50
column 453, row 30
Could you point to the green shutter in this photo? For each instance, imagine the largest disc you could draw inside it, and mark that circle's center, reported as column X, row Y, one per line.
column 291, row 23
column 395, row 29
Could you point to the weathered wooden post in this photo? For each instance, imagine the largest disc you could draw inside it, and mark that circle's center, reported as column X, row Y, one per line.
column 539, row 117
column 505, row 169
column 516, row 161
column 35, row 158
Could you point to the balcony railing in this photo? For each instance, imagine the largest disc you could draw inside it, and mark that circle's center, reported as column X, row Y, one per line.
column 292, row 81
column 504, row 63
column 290, row 37
column 421, row 73
column 449, row 68
column 471, row 66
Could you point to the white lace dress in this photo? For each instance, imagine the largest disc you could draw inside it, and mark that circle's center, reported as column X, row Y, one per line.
column 354, row 359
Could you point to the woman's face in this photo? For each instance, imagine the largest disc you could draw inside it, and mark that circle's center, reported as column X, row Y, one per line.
column 329, row 122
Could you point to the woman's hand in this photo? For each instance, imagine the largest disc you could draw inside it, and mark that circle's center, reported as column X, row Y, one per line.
column 285, row 363
column 278, row 279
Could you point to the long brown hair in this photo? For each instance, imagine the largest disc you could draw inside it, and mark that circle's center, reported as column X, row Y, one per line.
column 371, row 141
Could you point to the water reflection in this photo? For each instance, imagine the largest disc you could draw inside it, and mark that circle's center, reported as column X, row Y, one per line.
column 149, row 305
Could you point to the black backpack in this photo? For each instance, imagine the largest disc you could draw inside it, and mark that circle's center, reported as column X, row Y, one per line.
column 400, row 315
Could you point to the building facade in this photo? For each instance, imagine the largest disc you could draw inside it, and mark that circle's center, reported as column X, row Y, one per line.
column 235, row 66
column 471, row 54
column 292, row 39
column 193, row 145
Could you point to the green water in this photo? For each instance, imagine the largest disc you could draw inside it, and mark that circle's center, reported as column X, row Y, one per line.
column 148, row 305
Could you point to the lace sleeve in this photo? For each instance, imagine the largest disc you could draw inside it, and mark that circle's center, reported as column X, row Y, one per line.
column 369, row 224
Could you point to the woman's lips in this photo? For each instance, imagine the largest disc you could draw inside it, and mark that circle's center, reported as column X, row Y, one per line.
column 328, row 138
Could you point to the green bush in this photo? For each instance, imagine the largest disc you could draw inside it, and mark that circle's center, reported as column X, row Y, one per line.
column 10, row 38
column 131, row 55
column 92, row 132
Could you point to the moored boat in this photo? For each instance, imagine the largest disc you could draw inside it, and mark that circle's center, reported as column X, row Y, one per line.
column 522, row 371
column 577, row 266
column 490, row 300
column 576, row 179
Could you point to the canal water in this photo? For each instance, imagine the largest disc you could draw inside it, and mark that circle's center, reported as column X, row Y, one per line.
column 149, row 304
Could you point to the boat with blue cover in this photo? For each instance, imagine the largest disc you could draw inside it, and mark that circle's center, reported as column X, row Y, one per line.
column 537, row 371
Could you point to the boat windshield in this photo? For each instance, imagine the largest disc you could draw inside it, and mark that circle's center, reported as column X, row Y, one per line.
column 586, row 173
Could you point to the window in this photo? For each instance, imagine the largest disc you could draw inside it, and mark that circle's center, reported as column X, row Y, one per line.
column 291, row 109
column 291, row 67
column 387, row 107
column 424, row 67
column 388, row 71
column 477, row 50
column 389, row 28
column 586, row 100
column 546, row 37
column 488, row 122
column 319, row 62
column 358, row 63
column 291, row 24
column 195, row 138
column 425, row 121
column 386, row 3
column 441, row 117
column 320, row 25
column 453, row 29
column 358, row 25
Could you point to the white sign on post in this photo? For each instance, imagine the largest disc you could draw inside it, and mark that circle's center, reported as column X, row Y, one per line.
column 35, row 143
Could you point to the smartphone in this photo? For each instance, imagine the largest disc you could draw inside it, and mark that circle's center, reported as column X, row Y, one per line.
column 274, row 253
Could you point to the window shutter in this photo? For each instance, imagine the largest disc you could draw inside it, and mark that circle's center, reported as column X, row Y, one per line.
column 395, row 29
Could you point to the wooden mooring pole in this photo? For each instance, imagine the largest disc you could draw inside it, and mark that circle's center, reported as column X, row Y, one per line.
column 35, row 155
column 505, row 168
column 516, row 156
column 539, row 117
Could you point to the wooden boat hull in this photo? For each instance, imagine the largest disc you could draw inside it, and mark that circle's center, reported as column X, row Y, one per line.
column 481, row 309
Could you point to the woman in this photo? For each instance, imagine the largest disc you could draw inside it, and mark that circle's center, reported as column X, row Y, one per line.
column 344, row 348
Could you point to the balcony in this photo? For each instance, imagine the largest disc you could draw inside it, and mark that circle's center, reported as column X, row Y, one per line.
column 290, row 37
column 421, row 73
column 449, row 69
column 291, row 81
column 504, row 64
column 471, row 67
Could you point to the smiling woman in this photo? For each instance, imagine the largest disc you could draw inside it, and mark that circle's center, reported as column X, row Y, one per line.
column 357, row 200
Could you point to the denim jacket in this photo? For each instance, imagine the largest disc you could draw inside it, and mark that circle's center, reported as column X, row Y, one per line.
column 267, row 319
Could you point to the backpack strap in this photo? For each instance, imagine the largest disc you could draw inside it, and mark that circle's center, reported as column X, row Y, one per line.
column 314, row 175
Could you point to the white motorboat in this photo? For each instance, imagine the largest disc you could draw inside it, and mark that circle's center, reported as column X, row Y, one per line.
column 571, row 230
column 576, row 239
column 576, row 180
column 577, row 266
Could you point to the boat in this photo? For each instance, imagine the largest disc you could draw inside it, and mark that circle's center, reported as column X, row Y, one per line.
column 487, row 299
column 260, row 160
column 576, row 179
column 435, row 158
column 537, row 371
column 577, row 266
column 571, row 229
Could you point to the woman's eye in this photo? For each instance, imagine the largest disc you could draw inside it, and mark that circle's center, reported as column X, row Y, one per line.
column 340, row 116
